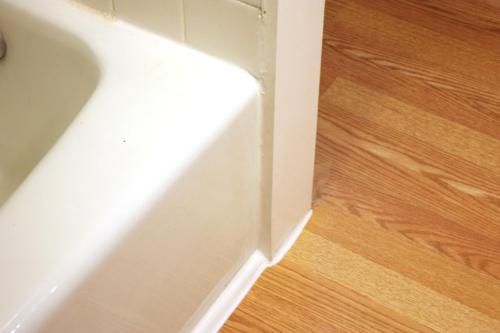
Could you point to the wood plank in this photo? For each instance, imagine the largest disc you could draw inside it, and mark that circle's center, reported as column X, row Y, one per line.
column 457, row 83
column 424, row 264
column 322, row 261
column 378, row 147
column 322, row 308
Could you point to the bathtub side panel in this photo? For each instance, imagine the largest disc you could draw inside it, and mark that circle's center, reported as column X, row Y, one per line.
column 183, row 252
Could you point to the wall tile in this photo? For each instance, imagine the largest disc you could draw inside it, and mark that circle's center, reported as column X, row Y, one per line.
column 228, row 29
column 164, row 17
column 225, row 28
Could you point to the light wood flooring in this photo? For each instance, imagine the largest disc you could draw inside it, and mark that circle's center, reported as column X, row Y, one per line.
column 406, row 229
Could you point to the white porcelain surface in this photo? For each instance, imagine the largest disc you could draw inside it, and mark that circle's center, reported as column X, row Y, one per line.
column 45, row 80
column 147, row 204
column 105, row 6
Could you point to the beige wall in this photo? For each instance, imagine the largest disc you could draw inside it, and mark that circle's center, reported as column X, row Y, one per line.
column 298, row 54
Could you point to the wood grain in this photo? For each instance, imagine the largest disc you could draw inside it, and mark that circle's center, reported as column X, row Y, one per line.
column 406, row 231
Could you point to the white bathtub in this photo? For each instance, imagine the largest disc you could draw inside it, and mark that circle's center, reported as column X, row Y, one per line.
column 44, row 83
column 129, row 174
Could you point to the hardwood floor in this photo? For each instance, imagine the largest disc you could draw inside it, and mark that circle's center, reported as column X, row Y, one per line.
column 405, row 235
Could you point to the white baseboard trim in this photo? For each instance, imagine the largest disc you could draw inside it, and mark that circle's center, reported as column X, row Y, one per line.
column 239, row 286
column 291, row 239
column 232, row 295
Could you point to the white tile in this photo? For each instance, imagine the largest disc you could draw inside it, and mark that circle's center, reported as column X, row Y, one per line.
column 164, row 17
column 228, row 29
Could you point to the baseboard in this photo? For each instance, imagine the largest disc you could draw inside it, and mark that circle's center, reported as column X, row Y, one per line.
column 232, row 295
column 291, row 239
